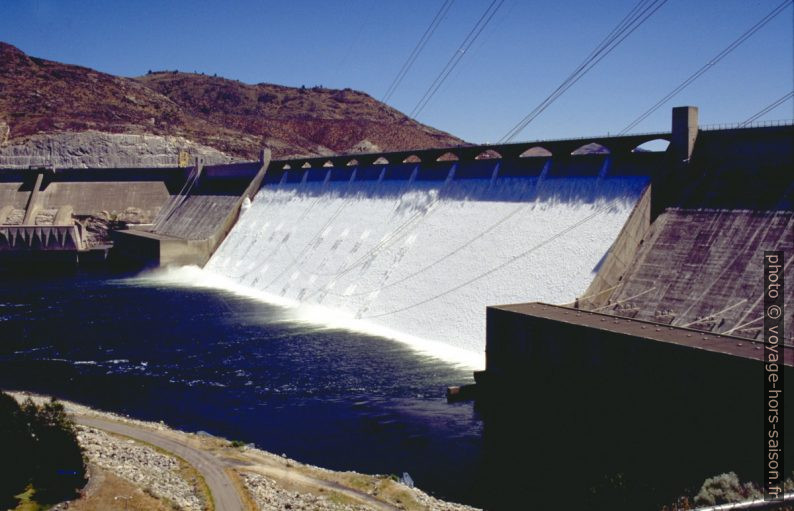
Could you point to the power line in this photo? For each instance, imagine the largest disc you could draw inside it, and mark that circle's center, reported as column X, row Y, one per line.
column 559, row 234
column 768, row 108
column 456, row 57
column 353, row 42
column 442, row 12
column 711, row 63
column 643, row 10
column 444, row 257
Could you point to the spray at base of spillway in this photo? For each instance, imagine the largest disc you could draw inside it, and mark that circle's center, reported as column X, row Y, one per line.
column 420, row 260
column 294, row 312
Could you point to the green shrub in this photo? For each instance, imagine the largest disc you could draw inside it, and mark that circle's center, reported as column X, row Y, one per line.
column 40, row 448
column 17, row 448
column 724, row 489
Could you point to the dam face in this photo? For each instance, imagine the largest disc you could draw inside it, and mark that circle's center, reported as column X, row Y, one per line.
column 421, row 249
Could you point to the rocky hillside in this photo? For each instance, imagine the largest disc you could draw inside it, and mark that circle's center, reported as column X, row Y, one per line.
column 84, row 149
column 40, row 97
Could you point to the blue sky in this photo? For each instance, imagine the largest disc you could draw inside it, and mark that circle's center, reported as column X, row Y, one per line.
column 525, row 52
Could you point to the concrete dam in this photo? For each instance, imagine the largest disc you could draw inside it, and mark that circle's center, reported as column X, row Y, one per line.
column 421, row 249
column 615, row 292
column 652, row 356
column 415, row 245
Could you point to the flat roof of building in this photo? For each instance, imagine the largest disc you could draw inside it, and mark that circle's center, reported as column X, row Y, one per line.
column 697, row 339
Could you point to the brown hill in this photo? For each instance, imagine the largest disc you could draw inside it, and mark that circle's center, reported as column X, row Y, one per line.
column 40, row 97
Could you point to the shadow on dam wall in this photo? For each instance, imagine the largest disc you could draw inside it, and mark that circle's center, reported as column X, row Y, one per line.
column 586, row 169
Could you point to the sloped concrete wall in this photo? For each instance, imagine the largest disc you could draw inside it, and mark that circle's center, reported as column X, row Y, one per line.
column 206, row 206
column 700, row 264
column 704, row 269
column 196, row 220
column 620, row 255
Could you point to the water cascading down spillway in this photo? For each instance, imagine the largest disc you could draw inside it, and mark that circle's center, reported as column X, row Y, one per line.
column 418, row 259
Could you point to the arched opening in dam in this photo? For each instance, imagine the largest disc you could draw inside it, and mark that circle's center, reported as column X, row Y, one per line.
column 654, row 146
column 536, row 151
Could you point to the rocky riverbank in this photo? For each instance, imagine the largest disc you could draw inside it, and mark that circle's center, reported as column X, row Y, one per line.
column 160, row 475
column 265, row 481
column 269, row 496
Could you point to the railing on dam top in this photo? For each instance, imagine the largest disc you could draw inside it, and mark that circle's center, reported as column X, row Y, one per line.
column 742, row 125
column 612, row 145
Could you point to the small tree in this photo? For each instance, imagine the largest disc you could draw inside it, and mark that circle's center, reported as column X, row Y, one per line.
column 16, row 446
column 58, row 469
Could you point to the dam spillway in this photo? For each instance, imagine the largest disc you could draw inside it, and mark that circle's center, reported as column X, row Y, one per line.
column 418, row 250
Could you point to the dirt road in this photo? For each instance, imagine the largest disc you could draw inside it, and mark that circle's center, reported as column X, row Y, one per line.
column 224, row 493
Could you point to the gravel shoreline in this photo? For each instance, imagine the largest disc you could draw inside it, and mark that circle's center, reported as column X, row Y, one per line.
column 156, row 473
column 164, row 477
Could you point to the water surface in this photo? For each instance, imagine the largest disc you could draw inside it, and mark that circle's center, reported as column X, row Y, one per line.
column 202, row 359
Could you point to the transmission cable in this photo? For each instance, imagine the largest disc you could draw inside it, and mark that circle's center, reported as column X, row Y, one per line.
column 498, row 267
column 456, row 57
column 449, row 254
column 439, row 17
column 767, row 109
column 711, row 63
column 637, row 16
column 161, row 223
column 319, row 234
column 442, row 258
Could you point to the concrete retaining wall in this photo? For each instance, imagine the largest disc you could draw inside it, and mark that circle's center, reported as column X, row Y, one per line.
column 98, row 192
column 700, row 263
column 112, row 198
column 204, row 215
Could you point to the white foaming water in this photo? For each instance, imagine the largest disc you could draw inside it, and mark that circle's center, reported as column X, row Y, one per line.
column 420, row 261
column 316, row 316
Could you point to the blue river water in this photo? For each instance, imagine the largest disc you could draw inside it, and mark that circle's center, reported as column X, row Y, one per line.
column 201, row 359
